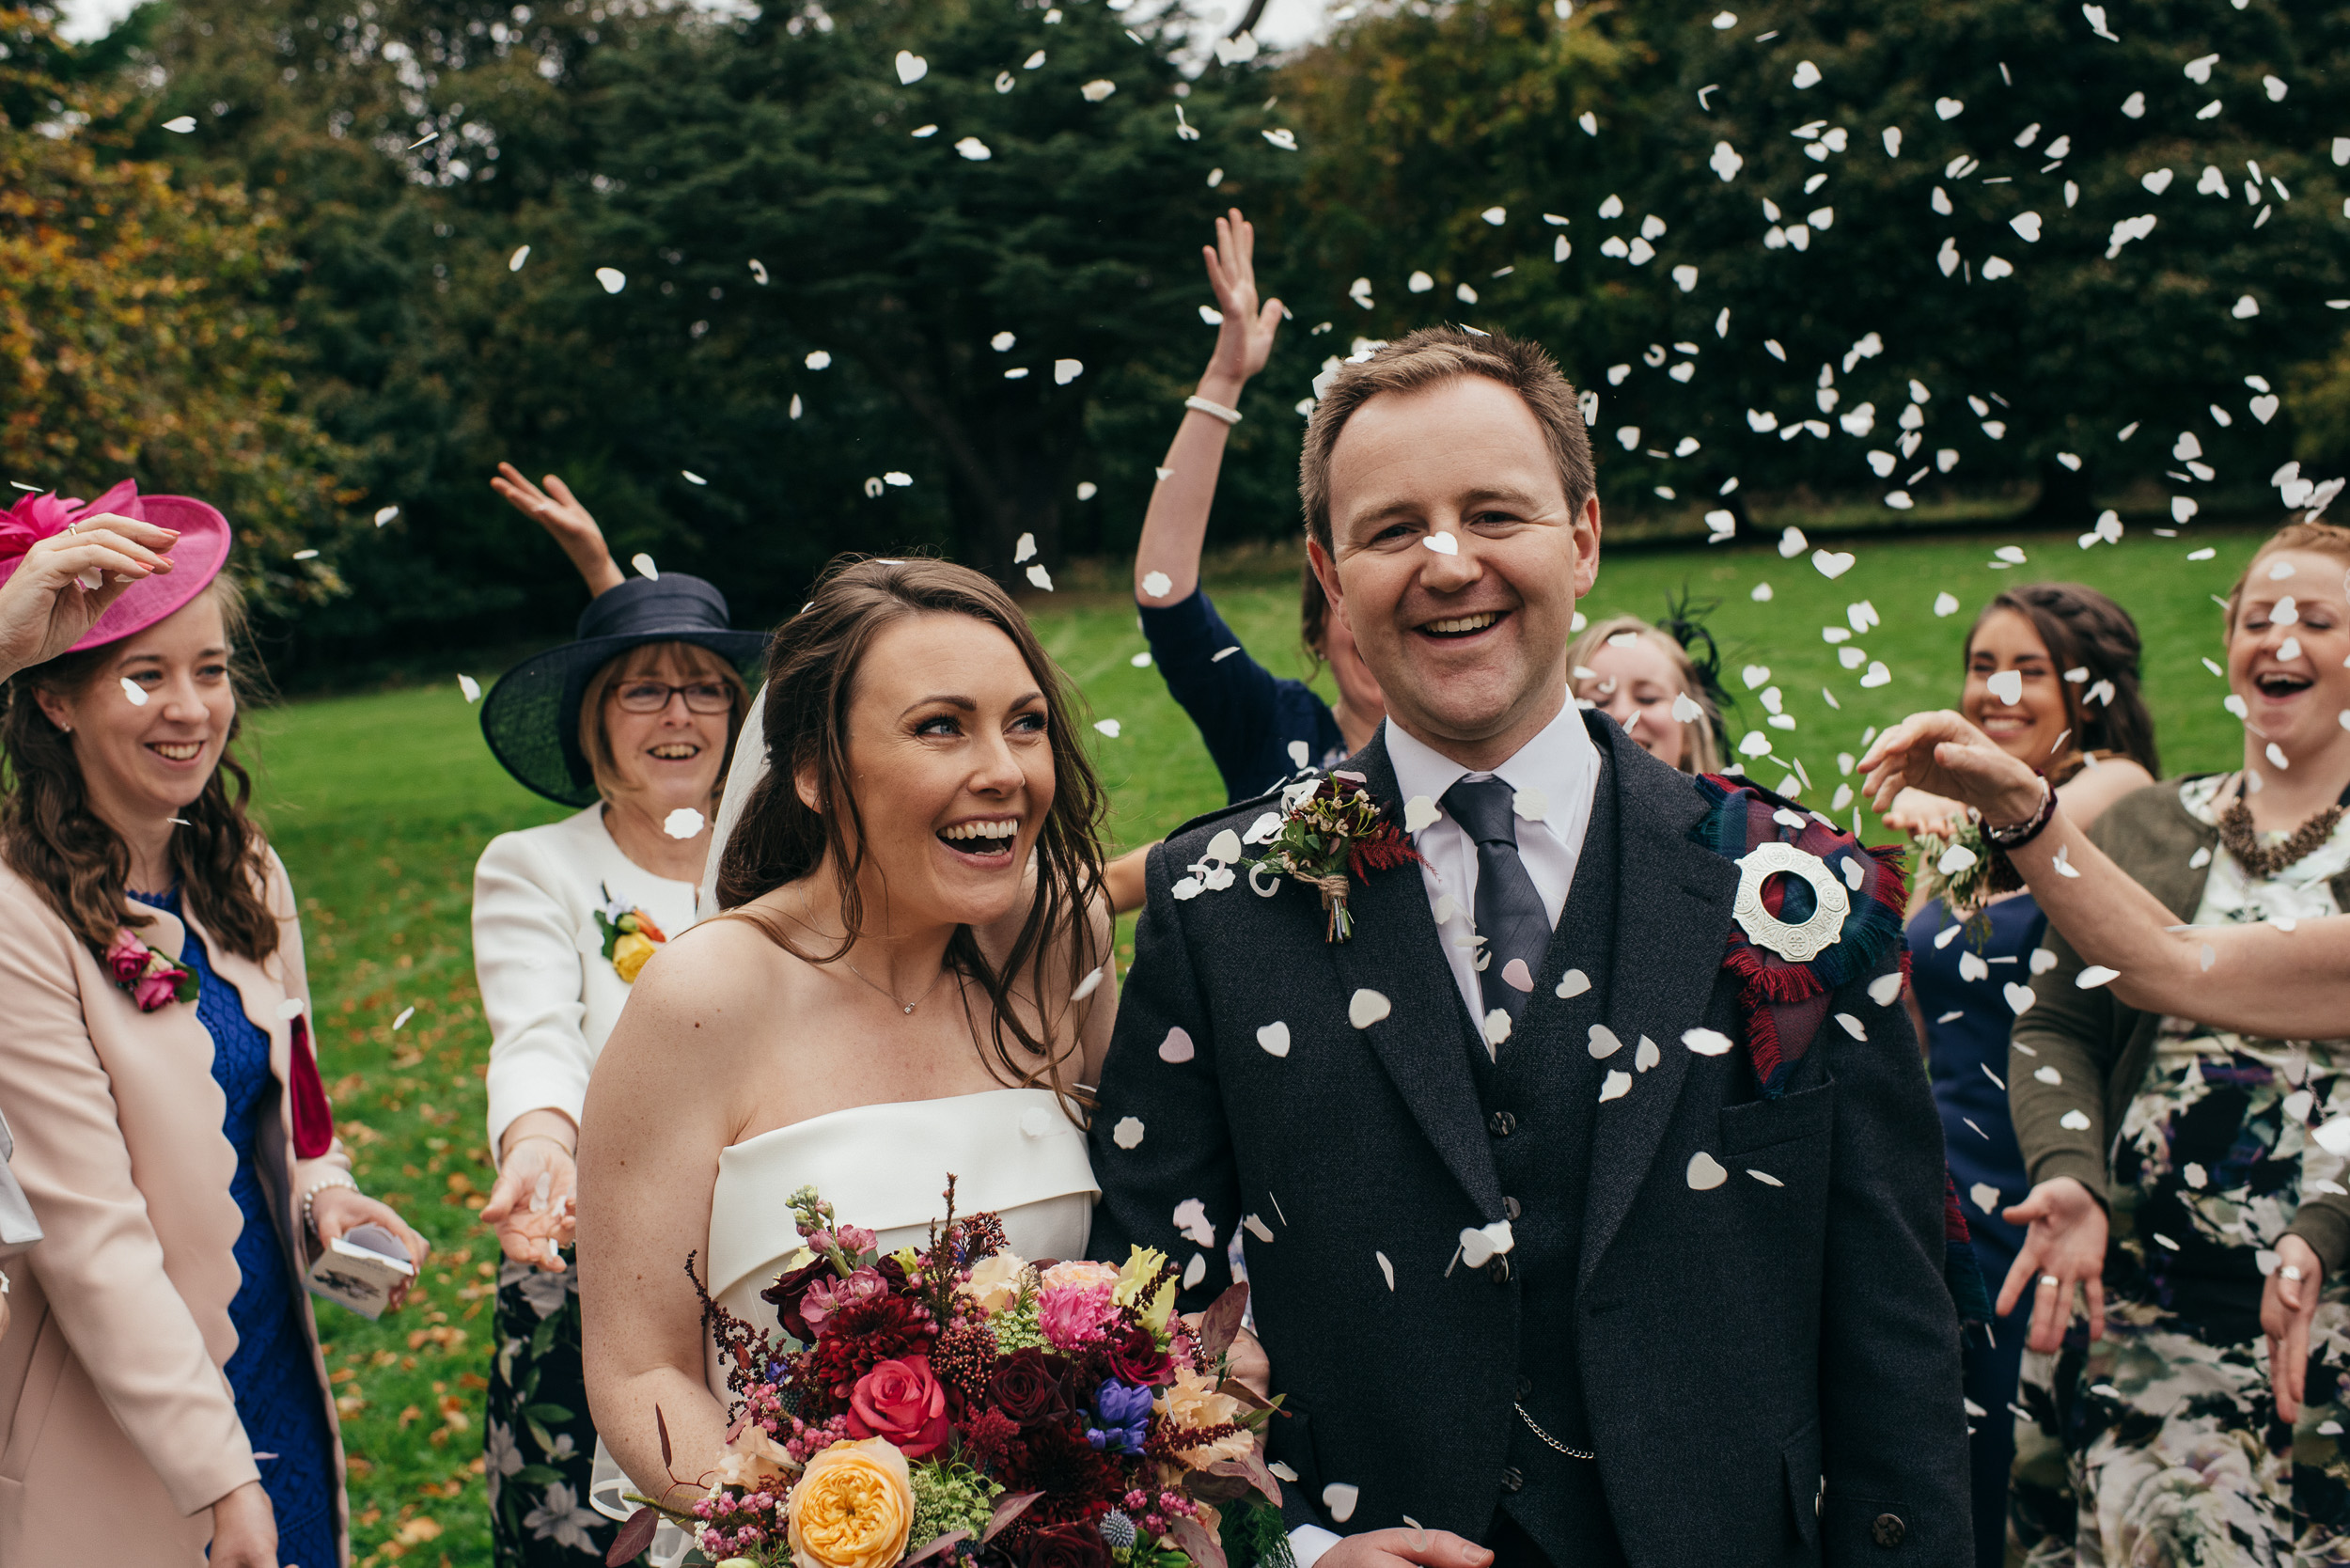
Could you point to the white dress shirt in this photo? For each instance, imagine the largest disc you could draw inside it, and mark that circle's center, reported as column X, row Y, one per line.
column 1555, row 774
column 549, row 993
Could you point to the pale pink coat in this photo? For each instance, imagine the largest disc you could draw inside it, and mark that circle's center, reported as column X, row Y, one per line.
column 118, row 1429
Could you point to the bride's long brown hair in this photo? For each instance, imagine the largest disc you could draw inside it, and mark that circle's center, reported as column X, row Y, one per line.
column 812, row 665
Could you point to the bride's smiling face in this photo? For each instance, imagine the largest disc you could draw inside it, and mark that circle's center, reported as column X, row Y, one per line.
column 950, row 760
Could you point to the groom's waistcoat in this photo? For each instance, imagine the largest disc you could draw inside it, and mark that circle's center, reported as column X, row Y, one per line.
column 1541, row 1092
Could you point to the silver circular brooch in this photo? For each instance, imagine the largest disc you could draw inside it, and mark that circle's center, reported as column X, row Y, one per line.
column 1797, row 944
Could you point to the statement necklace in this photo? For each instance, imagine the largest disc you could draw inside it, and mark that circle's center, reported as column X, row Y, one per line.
column 2267, row 860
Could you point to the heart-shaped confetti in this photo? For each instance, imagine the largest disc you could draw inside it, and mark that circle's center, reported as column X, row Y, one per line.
column 1515, row 975
column 2019, row 998
column 2263, row 407
column 1616, row 1086
column 1986, row 1196
column 1177, row 1047
column 1646, row 1055
column 1832, row 564
column 1705, row 1172
column 1886, row 989
column 1572, row 984
column 1364, row 1008
column 1339, row 1499
column 1274, row 1038
column 1852, row 1025
column 911, row 68
column 1604, row 1042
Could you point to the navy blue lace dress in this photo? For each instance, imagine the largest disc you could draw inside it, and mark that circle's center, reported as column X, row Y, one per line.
column 276, row 1388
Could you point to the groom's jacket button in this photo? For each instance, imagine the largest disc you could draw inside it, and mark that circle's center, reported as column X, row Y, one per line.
column 1513, row 1479
column 1888, row 1530
column 1509, row 1207
column 1502, row 1123
column 1526, row 1386
column 1498, row 1271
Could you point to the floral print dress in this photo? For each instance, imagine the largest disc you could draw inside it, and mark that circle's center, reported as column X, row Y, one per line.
column 539, row 1445
column 2160, row 1442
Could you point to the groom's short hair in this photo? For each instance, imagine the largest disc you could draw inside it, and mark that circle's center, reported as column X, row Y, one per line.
column 1429, row 358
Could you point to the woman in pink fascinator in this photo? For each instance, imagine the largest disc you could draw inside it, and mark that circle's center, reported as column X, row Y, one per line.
column 173, row 1139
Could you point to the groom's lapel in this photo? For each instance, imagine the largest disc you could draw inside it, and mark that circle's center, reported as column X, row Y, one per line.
column 1396, row 950
column 1673, row 903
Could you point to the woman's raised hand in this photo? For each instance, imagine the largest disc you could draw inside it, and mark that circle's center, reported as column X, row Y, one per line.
column 2288, row 1303
column 571, row 524
column 1245, row 341
column 2064, row 1247
column 1941, row 753
column 534, row 1206
column 68, row 580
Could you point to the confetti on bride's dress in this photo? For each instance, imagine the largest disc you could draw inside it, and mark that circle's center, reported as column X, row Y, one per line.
column 471, row 687
column 682, row 824
column 1128, row 1133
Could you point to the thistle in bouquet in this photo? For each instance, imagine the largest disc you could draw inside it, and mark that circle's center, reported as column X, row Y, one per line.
column 1330, row 835
column 959, row 1403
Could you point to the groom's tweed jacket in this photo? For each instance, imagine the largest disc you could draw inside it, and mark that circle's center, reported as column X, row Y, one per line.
column 1735, row 1345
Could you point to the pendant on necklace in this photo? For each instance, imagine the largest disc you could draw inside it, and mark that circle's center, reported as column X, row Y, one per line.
column 909, row 1009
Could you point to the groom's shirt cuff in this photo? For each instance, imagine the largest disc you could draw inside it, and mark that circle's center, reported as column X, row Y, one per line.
column 1309, row 1542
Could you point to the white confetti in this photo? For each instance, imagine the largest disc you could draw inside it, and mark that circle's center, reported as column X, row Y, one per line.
column 1067, row 370
column 1572, row 984
column 402, row 1022
column 1025, row 549
column 1616, row 1085
column 514, row 262
column 1107, row 727
column 2074, row 1122
column 471, row 687
column 1177, row 1047
column 684, row 822
column 644, row 565
column 1366, row 1008
column 1986, row 1196
column 1482, row 1245
column 1604, row 1042
column 1386, row 1271
column 1886, row 989
column 1339, row 1499
column 1087, row 986
column 2019, row 998
column 613, row 279
column 1128, row 1133
column 2094, row 976
column 911, row 68
column 180, row 123
column 1706, row 1043
column 1705, row 1172
column 1040, row 577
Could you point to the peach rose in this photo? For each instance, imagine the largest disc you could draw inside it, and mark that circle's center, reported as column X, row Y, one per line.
column 753, row 1461
column 1079, row 1273
column 851, row 1508
column 995, row 1281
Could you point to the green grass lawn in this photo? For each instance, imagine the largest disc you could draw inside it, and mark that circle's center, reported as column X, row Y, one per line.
column 381, row 803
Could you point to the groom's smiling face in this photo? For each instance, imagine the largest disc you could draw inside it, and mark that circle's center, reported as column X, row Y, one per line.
column 1457, row 562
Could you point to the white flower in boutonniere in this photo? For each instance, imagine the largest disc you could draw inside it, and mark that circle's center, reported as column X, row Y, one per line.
column 630, row 937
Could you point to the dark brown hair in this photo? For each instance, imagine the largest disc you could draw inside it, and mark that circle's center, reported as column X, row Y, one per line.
column 2325, row 537
column 53, row 839
column 1431, row 357
column 595, row 737
column 2083, row 629
column 812, row 668
column 1313, row 620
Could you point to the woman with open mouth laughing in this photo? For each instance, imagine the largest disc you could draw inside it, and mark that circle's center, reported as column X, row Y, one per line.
column 2182, row 1127
column 909, row 982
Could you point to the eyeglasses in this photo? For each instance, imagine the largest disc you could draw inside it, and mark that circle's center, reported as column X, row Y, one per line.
column 651, row 697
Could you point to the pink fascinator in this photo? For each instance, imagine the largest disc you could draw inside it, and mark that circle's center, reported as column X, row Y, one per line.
column 195, row 560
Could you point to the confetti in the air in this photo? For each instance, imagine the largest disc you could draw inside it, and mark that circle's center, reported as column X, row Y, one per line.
column 1040, row 577
column 1107, row 727
column 613, row 279
column 402, row 1022
column 682, row 824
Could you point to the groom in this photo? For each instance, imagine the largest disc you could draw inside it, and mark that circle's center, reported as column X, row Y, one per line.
column 1566, row 1245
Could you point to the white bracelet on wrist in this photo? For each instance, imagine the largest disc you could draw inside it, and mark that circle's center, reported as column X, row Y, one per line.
column 339, row 1179
column 1212, row 409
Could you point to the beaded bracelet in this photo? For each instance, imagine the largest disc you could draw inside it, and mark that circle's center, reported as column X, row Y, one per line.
column 2019, row 834
column 339, row 1179
column 1213, row 410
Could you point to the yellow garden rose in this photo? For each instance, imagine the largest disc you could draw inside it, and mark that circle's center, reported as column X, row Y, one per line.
column 995, row 1282
column 630, row 953
column 851, row 1508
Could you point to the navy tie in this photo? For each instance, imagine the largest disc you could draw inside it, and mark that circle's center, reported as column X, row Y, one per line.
column 1511, row 915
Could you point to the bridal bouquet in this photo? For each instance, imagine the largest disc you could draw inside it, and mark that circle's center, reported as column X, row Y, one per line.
column 960, row 1405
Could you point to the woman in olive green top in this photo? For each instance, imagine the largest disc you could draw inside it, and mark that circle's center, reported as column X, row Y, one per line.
column 2186, row 1173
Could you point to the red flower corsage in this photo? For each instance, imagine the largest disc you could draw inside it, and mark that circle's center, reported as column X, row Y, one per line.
column 152, row 979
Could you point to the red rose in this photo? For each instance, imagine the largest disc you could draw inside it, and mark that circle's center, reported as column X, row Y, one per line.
column 1135, row 1356
column 127, row 957
column 902, row 1401
column 1026, row 1388
column 1068, row 1547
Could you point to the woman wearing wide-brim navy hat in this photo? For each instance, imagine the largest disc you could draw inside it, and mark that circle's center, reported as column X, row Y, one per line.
column 633, row 721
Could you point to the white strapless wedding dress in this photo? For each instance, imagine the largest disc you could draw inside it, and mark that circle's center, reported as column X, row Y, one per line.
column 1012, row 1150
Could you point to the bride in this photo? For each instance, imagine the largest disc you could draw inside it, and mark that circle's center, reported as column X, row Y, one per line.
column 911, row 976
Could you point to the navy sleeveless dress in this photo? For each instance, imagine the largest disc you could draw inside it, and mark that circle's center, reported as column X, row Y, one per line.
column 276, row 1388
column 1967, row 1022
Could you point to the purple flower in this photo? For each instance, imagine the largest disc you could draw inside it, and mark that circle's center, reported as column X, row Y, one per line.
column 1123, row 1412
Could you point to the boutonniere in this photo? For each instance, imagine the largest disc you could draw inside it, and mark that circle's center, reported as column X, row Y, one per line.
column 152, row 979
column 1966, row 871
column 1331, row 832
column 630, row 937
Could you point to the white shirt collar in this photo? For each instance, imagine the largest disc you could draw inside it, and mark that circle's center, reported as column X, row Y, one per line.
column 1558, row 761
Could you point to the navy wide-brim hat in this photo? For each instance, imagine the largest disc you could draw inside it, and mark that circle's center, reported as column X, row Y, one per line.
column 531, row 716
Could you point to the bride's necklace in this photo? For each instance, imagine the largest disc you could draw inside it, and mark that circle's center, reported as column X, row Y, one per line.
column 2263, row 861
column 903, row 1006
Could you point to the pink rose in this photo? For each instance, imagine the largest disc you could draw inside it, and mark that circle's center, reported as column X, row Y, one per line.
column 127, row 957
column 157, row 991
column 828, row 1296
column 1074, row 1316
column 902, row 1401
column 855, row 1240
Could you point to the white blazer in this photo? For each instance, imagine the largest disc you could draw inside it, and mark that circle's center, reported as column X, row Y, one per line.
column 549, row 993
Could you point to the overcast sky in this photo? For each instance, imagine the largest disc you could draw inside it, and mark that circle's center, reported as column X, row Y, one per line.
column 1285, row 22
